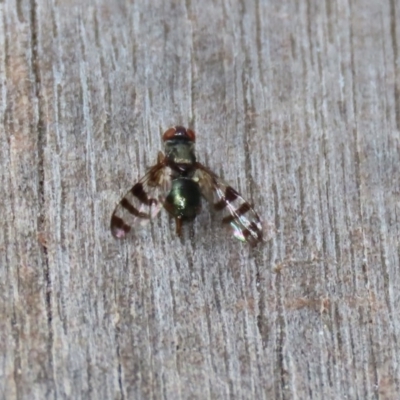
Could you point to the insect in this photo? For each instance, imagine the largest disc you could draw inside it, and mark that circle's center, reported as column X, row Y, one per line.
column 178, row 182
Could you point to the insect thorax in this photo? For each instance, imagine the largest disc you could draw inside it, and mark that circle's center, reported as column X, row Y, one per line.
column 180, row 152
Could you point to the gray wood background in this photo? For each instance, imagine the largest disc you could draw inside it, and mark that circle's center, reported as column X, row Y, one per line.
column 296, row 103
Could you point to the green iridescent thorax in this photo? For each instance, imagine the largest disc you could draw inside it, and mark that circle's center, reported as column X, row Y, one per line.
column 184, row 199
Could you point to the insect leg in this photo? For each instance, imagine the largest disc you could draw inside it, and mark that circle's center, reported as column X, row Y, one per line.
column 178, row 222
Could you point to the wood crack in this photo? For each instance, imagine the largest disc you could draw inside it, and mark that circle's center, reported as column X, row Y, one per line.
column 41, row 222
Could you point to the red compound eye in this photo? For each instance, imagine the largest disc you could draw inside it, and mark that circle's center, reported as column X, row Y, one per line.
column 191, row 134
column 169, row 134
column 179, row 132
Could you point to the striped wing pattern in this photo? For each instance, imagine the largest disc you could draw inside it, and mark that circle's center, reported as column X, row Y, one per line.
column 236, row 211
column 142, row 202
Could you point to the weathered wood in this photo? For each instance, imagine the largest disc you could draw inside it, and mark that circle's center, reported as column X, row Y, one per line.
column 296, row 103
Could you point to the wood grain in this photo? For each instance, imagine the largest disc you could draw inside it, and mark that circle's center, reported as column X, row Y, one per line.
column 296, row 103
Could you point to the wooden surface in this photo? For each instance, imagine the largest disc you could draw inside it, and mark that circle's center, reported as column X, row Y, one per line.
column 296, row 103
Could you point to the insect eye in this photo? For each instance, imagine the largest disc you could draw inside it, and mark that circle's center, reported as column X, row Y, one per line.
column 169, row 134
column 191, row 135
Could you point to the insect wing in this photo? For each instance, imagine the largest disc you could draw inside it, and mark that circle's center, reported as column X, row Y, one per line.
column 142, row 202
column 236, row 211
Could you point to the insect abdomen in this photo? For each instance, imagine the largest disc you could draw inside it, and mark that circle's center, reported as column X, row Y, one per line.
column 184, row 199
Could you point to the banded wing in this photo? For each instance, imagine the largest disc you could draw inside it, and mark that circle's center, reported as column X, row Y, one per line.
column 236, row 211
column 143, row 201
